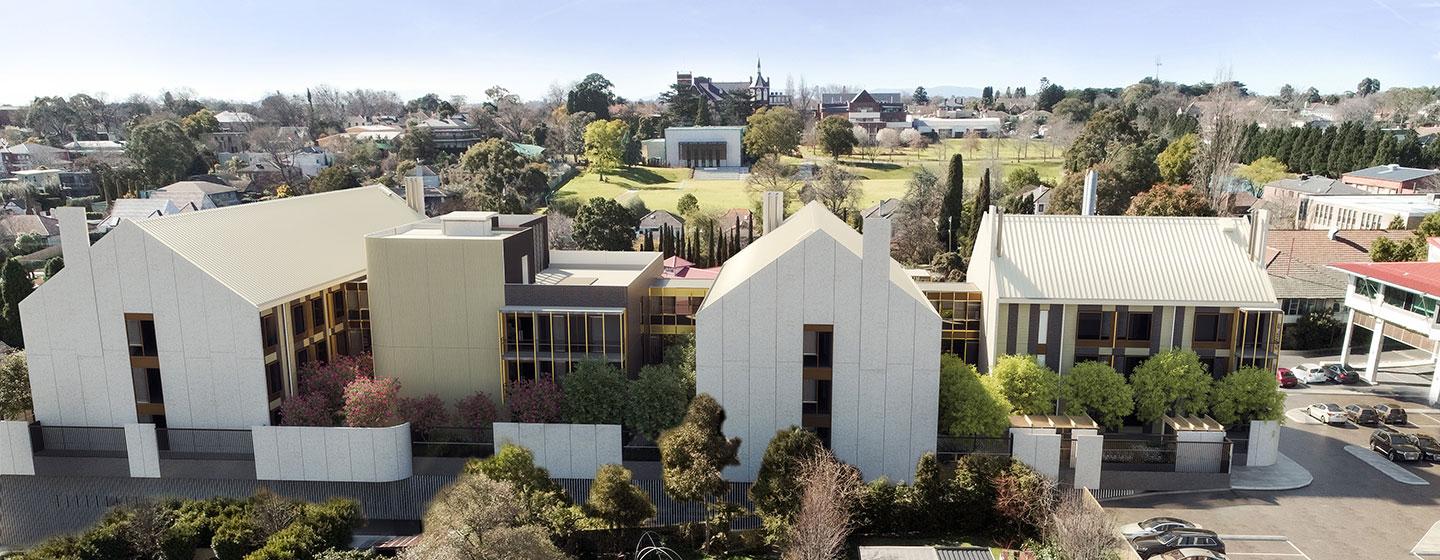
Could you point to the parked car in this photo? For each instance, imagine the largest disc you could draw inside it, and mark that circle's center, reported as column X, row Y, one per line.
column 1428, row 445
column 1391, row 414
column 1286, row 378
column 1394, row 445
column 1154, row 526
column 1329, row 413
column 1189, row 554
column 1341, row 373
column 1176, row 539
column 1309, row 373
column 1362, row 414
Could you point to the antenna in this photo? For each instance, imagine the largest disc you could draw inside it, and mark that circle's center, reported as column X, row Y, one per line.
column 1157, row 69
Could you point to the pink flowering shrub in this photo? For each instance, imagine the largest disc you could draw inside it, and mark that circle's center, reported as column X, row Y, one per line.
column 424, row 414
column 328, row 379
column 307, row 410
column 372, row 402
column 476, row 411
column 536, row 401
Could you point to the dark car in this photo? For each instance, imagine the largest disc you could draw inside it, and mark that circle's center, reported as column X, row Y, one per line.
column 1428, row 445
column 1394, row 445
column 1391, row 414
column 1177, row 539
column 1362, row 414
column 1341, row 373
column 1286, row 378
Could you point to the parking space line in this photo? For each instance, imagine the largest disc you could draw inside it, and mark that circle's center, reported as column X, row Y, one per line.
column 1385, row 466
column 1432, row 418
column 1297, row 549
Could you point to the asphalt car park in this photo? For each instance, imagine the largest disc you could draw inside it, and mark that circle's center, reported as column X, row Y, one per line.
column 1262, row 548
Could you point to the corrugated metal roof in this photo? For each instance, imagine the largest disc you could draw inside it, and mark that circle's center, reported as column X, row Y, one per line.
column 1423, row 277
column 967, row 553
column 1392, row 173
column 1139, row 260
column 268, row 252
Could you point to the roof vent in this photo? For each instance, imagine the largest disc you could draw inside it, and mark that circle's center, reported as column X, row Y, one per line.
column 1333, row 233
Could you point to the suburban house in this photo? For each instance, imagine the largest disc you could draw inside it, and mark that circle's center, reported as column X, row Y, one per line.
column 1298, row 262
column 657, row 220
column 1369, row 211
column 30, row 155
column 1041, row 194
column 873, row 111
column 198, row 195
column 1393, row 179
column 46, row 227
column 886, row 208
column 199, row 319
column 742, row 218
column 453, row 134
column 704, row 146
column 428, row 182
column 1293, row 190
column 814, row 325
column 139, row 209
column 1118, row 289
column 233, row 133
column 100, row 148
column 1398, row 300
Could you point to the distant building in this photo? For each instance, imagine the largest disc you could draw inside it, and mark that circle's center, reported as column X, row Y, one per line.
column 29, row 155
column 12, row 227
column 1298, row 262
column 95, row 147
column 233, row 134
column 1372, row 211
column 1042, row 198
column 703, row 146
column 873, row 111
column 1291, row 190
column 957, row 128
column 884, row 209
column 1398, row 300
column 657, row 220
column 198, row 195
column 652, row 151
column 139, row 209
column 451, row 134
column 1393, row 179
column 758, row 87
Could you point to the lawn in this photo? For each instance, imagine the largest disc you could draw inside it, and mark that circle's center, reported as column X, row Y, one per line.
column 884, row 177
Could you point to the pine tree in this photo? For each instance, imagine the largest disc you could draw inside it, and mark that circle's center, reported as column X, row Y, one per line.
column 1319, row 163
column 1387, row 152
column 952, row 207
column 978, row 209
column 702, row 113
column 15, row 285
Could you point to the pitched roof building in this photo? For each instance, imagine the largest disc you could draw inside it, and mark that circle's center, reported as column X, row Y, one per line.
column 1298, row 262
column 1393, row 179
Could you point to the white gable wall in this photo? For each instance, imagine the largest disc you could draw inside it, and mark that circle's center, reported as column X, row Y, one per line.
column 211, row 366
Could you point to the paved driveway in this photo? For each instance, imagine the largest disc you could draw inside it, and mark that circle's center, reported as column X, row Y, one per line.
column 1351, row 510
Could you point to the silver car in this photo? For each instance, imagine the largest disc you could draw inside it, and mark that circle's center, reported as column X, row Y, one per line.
column 1154, row 526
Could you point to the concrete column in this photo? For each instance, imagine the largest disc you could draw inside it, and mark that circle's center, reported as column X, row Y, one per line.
column 1372, row 362
column 1435, row 380
column 1086, row 456
column 1264, row 445
column 16, row 455
column 1349, row 331
column 1039, row 448
column 143, row 450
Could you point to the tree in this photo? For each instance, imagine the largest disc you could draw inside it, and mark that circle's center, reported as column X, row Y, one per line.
column 888, row 138
column 1171, row 382
column 1105, row 132
column 333, row 178
column 824, row 520
column 514, row 465
column 914, row 238
column 604, row 225
column 15, row 286
column 773, row 131
column 1097, row 390
column 920, row 97
column 1030, row 388
column 1177, row 159
column 476, row 411
column 200, row 123
column 539, row 401
column 418, row 144
column 967, row 406
column 913, row 138
column 14, row 386
column 502, row 179
column 979, row 207
column 776, row 491
column 771, row 174
column 952, row 206
column 1367, row 86
column 1247, row 394
column 835, row 137
column 1049, row 95
column 595, row 393
column 693, row 453
column 162, row 151
column 480, row 518
column 593, row 94
column 835, row 188
column 1262, row 171
column 616, row 500
column 425, row 414
column 1080, row 528
column 372, row 402
column 1073, row 109
column 657, row 400
column 687, row 204
column 605, row 145
column 1170, row 200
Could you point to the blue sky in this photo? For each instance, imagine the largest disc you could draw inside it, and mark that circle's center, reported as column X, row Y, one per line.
column 243, row 49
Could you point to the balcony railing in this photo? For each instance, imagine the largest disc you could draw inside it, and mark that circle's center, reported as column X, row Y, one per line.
column 77, row 441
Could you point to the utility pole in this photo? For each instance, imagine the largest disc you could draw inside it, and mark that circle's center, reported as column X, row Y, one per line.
column 1157, row 70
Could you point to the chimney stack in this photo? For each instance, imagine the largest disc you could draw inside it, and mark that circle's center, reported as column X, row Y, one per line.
column 772, row 211
column 74, row 237
column 1087, row 204
column 1259, row 232
column 997, row 227
column 415, row 194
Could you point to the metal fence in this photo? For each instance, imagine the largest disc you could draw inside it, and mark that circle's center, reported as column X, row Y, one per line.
column 1137, row 454
column 952, row 448
column 77, row 441
column 455, row 442
column 203, row 443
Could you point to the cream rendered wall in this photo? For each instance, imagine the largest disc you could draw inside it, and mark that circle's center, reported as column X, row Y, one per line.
column 886, row 358
column 434, row 333
column 211, row 366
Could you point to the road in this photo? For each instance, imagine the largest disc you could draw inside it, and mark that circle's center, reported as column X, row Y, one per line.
column 1351, row 511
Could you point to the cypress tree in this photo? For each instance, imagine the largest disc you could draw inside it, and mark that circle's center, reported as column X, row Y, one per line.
column 1319, row 163
column 15, row 285
column 978, row 209
column 1387, row 152
column 1410, row 153
column 1368, row 150
column 952, row 207
column 1284, row 147
column 649, row 242
column 702, row 113
column 1302, row 157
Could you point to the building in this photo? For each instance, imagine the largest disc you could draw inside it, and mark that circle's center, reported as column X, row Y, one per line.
column 1371, row 211
column 652, row 151
column 873, row 111
column 886, row 208
column 1041, row 194
column 310, row 160
column 1298, row 262
column 1393, row 179
column 233, row 133
column 657, row 220
column 95, row 148
column 814, row 325
column 199, row 319
column 958, row 128
column 452, row 134
column 443, row 291
column 46, row 227
column 1119, row 289
column 426, row 179
column 198, row 195
column 139, row 209
column 29, row 155
column 1398, row 300
column 704, row 146
column 758, row 87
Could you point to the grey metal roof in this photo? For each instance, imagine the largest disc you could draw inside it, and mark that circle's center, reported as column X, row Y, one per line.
column 1314, row 185
column 966, row 553
column 1392, row 173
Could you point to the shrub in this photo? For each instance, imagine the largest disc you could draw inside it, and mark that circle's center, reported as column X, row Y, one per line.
column 424, row 414
column 329, row 379
column 1097, row 390
column 180, row 540
column 776, row 491
column 1314, row 331
column 1024, row 500
column 616, row 500
column 14, row 385
column 514, row 465
column 537, row 401
column 236, row 538
column 372, row 402
column 1245, row 395
column 595, row 393
column 1030, row 387
column 657, row 400
column 336, row 554
column 299, row 541
column 333, row 521
column 1171, row 382
column 967, row 406
column 476, row 411
column 307, row 409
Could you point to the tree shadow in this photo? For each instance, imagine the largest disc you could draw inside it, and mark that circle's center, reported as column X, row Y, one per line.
column 642, row 176
column 876, row 165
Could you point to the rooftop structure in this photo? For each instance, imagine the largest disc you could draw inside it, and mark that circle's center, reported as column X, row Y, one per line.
column 1372, row 211
column 1394, row 179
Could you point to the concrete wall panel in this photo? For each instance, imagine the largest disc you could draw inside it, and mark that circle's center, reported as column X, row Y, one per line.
column 142, row 450
column 566, row 450
column 332, row 454
column 16, row 454
column 1263, row 448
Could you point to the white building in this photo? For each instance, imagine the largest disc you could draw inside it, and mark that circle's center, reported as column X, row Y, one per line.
column 814, row 325
column 703, row 146
column 1370, row 211
column 1400, row 301
column 198, row 319
column 957, row 128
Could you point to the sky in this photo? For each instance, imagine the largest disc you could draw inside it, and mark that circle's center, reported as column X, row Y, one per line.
column 245, row 49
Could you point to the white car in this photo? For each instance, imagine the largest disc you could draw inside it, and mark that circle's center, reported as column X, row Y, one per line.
column 1329, row 413
column 1154, row 526
column 1189, row 554
column 1309, row 373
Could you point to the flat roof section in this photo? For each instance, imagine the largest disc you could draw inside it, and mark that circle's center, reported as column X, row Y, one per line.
column 1409, row 204
column 596, row 268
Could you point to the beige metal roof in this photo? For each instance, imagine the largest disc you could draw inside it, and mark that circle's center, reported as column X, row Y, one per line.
column 1134, row 260
column 269, row 252
column 813, row 218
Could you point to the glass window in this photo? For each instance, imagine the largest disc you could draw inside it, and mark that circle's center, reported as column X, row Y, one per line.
column 1212, row 327
column 274, row 378
column 1090, row 326
column 317, row 313
column 270, row 330
column 818, row 349
column 1139, row 328
column 337, row 304
column 297, row 319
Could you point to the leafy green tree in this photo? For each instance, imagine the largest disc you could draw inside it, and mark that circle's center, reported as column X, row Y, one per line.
column 14, row 386
column 604, row 225
column 776, row 491
column 1171, row 382
column 162, row 151
column 773, row 131
column 693, row 453
column 952, row 206
column 15, row 286
column 978, row 208
column 605, row 146
column 835, row 136
column 1177, row 159
column 595, row 393
column 657, row 400
column 1029, row 387
column 967, row 406
column 1170, row 200
column 201, row 122
column 503, row 179
column 1023, row 177
column 334, row 178
column 1247, row 394
column 514, row 465
column 27, row 243
column 687, row 204
column 485, row 519
column 1262, row 171
column 1049, row 96
column 418, row 144
column 53, row 266
column 616, row 500
column 1105, row 132
column 1096, row 389
column 680, row 102
column 1073, row 109
column 1368, row 86
column 593, row 94
column 920, row 97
